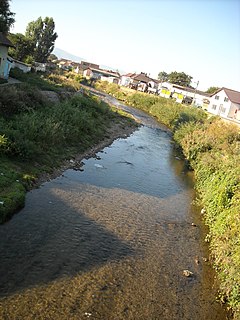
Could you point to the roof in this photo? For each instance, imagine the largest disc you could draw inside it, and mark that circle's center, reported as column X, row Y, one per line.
column 86, row 65
column 105, row 72
column 141, row 77
column 188, row 89
column 4, row 41
column 233, row 95
column 129, row 75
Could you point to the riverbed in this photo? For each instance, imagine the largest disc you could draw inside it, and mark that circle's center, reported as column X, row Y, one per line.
column 115, row 238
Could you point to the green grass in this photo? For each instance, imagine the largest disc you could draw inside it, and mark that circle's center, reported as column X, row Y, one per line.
column 37, row 136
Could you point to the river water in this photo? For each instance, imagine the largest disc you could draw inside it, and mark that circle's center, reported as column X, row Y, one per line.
column 111, row 241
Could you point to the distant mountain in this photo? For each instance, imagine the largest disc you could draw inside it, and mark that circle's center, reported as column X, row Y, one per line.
column 61, row 54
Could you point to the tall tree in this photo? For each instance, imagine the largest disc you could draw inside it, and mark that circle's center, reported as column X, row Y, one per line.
column 212, row 89
column 6, row 16
column 24, row 47
column 180, row 78
column 41, row 32
column 163, row 76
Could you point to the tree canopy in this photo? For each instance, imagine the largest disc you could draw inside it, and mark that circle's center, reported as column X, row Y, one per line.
column 6, row 16
column 41, row 33
column 24, row 47
column 163, row 76
column 212, row 89
column 180, row 78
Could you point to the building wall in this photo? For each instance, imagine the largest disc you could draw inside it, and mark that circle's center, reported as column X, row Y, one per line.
column 3, row 61
column 220, row 104
column 110, row 79
column 22, row 66
column 125, row 81
column 234, row 111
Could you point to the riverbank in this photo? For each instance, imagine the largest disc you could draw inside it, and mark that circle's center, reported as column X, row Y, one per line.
column 116, row 239
column 39, row 139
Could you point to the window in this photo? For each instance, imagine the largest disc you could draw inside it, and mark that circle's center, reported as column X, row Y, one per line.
column 217, row 97
column 222, row 109
column 214, row 106
column 226, row 99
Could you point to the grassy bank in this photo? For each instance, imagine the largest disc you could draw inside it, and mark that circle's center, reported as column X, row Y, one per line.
column 36, row 136
column 212, row 148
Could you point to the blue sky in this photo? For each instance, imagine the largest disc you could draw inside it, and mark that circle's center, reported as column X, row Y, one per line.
column 198, row 37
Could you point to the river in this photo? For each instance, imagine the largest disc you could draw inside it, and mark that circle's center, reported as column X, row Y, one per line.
column 111, row 240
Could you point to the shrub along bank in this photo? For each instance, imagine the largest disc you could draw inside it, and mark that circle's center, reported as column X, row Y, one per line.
column 212, row 148
column 36, row 136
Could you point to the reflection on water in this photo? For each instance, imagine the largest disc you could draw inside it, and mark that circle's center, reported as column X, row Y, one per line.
column 110, row 242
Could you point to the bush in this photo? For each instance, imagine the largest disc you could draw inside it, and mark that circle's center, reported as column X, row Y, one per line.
column 17, row 99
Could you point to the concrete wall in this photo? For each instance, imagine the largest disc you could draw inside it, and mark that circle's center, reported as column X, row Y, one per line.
column 3, row 62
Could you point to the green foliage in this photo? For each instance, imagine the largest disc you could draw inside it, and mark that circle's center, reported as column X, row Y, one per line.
column 39, row 135
column 24, row 47
column 180, row 78
column 6, row 16
column 17, row 99
column 43, row 81
column 41, row 33
column 163, row 76
column 212, row 89
column 12, row 192
column 78, row 120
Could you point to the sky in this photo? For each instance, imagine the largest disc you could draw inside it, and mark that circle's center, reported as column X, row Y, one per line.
column 198, row 37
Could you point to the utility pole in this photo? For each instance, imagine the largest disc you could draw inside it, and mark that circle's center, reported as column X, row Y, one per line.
column 193, row 102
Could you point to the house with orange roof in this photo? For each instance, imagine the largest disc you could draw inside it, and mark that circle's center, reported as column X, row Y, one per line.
column 225, row 103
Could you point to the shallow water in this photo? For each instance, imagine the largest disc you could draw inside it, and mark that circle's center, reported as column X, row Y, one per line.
column 111, row 241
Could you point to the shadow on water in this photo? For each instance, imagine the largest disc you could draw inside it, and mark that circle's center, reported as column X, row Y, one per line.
column 49, row 240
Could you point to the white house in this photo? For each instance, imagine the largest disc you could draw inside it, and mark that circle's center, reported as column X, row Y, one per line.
column 225, row 103
column 126, row 79
column 184, row 94
column 103, row 75
column 5, row 63
column 37, row 66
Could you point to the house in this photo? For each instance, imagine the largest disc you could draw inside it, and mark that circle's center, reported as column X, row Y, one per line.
column 101, row 74
column 80, row 67
column 141, row 82
column 225, row 103
column 5, row 63
column 184, row 94
column 126, row 79
column 38, row 66
column 65, row 64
